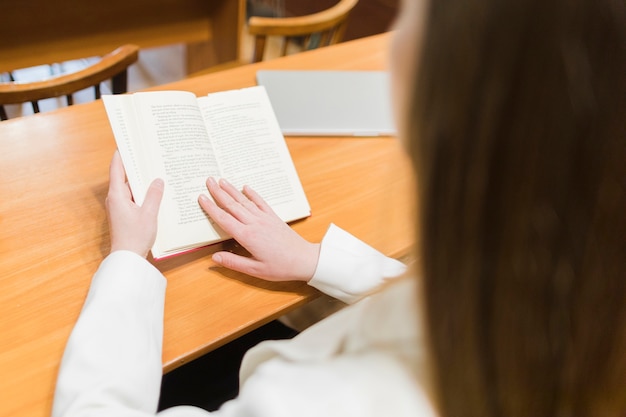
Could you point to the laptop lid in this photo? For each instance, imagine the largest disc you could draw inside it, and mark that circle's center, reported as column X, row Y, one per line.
column 330, row 103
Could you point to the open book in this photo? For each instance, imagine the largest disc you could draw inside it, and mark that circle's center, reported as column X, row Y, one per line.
column 184, row 139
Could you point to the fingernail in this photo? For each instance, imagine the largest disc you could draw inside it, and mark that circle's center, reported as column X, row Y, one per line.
column 217, row 258
column 211, row 180
column 159, row 183
column 203, row 198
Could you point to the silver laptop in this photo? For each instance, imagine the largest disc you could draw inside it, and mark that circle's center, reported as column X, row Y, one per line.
column 330, row 103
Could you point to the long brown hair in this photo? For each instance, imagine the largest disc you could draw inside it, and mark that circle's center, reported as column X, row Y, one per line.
column 518, row 140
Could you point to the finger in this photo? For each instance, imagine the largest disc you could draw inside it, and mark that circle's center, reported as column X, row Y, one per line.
column 117, row 175
column 257, row 199
column 224, row 219
column 222, row 198
column 153, row 198
column 237, row 195
column 227, row 202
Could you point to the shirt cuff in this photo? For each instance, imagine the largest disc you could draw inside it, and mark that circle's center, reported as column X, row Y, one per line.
column 349, row 269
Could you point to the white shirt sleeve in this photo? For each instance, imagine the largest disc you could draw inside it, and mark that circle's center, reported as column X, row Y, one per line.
column 112, row 365
column 349, row 269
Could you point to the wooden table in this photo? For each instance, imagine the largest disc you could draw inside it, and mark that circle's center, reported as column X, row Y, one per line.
column 53, row 229
column 37, row 32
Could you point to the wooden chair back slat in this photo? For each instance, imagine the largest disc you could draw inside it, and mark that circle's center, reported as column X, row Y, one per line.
column 113, row 66
column 328, row 26
column 308, row 32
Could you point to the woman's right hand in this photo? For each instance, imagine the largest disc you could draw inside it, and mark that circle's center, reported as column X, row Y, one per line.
column 278, row 253
column 132, row 227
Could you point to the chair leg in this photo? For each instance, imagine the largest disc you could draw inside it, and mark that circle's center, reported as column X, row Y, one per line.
column 70, row 99
column 3, row 113
column 283, row 49
column 259, row 48
column 119, row 82
column 322, row 39
column 35, row 106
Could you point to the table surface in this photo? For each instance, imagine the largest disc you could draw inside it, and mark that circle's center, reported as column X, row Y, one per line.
column 53, row 229
column 38, row 32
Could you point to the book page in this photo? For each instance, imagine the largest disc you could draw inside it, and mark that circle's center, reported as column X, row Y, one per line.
column 175, row 136
column 176, row 147
column 124, row 123
column 251, row 149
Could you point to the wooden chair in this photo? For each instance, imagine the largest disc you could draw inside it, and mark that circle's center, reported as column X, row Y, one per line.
column 314, row 30
column 113, row 66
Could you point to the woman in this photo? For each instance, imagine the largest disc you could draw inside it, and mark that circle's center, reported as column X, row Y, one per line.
column 513, row 114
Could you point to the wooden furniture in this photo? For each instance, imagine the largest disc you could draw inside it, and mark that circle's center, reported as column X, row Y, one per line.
column 301, row 33
column 54, row 233
column 112, row 66
column 368, row 18
column 313, row 30
column 39, row 32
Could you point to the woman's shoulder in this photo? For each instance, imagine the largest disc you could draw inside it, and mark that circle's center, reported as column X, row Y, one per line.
column 367, row 359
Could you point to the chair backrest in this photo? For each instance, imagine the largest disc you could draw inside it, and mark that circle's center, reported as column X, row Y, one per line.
column 314, row 30
column 113, row 66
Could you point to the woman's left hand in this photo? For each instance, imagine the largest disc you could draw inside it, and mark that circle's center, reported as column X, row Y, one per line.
column 278, row 252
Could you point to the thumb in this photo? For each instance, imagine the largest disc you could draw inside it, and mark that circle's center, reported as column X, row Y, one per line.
column 153, row 197
column 239, row 263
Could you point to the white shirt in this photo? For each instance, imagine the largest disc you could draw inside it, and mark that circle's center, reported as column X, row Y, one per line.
column 366, row 360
